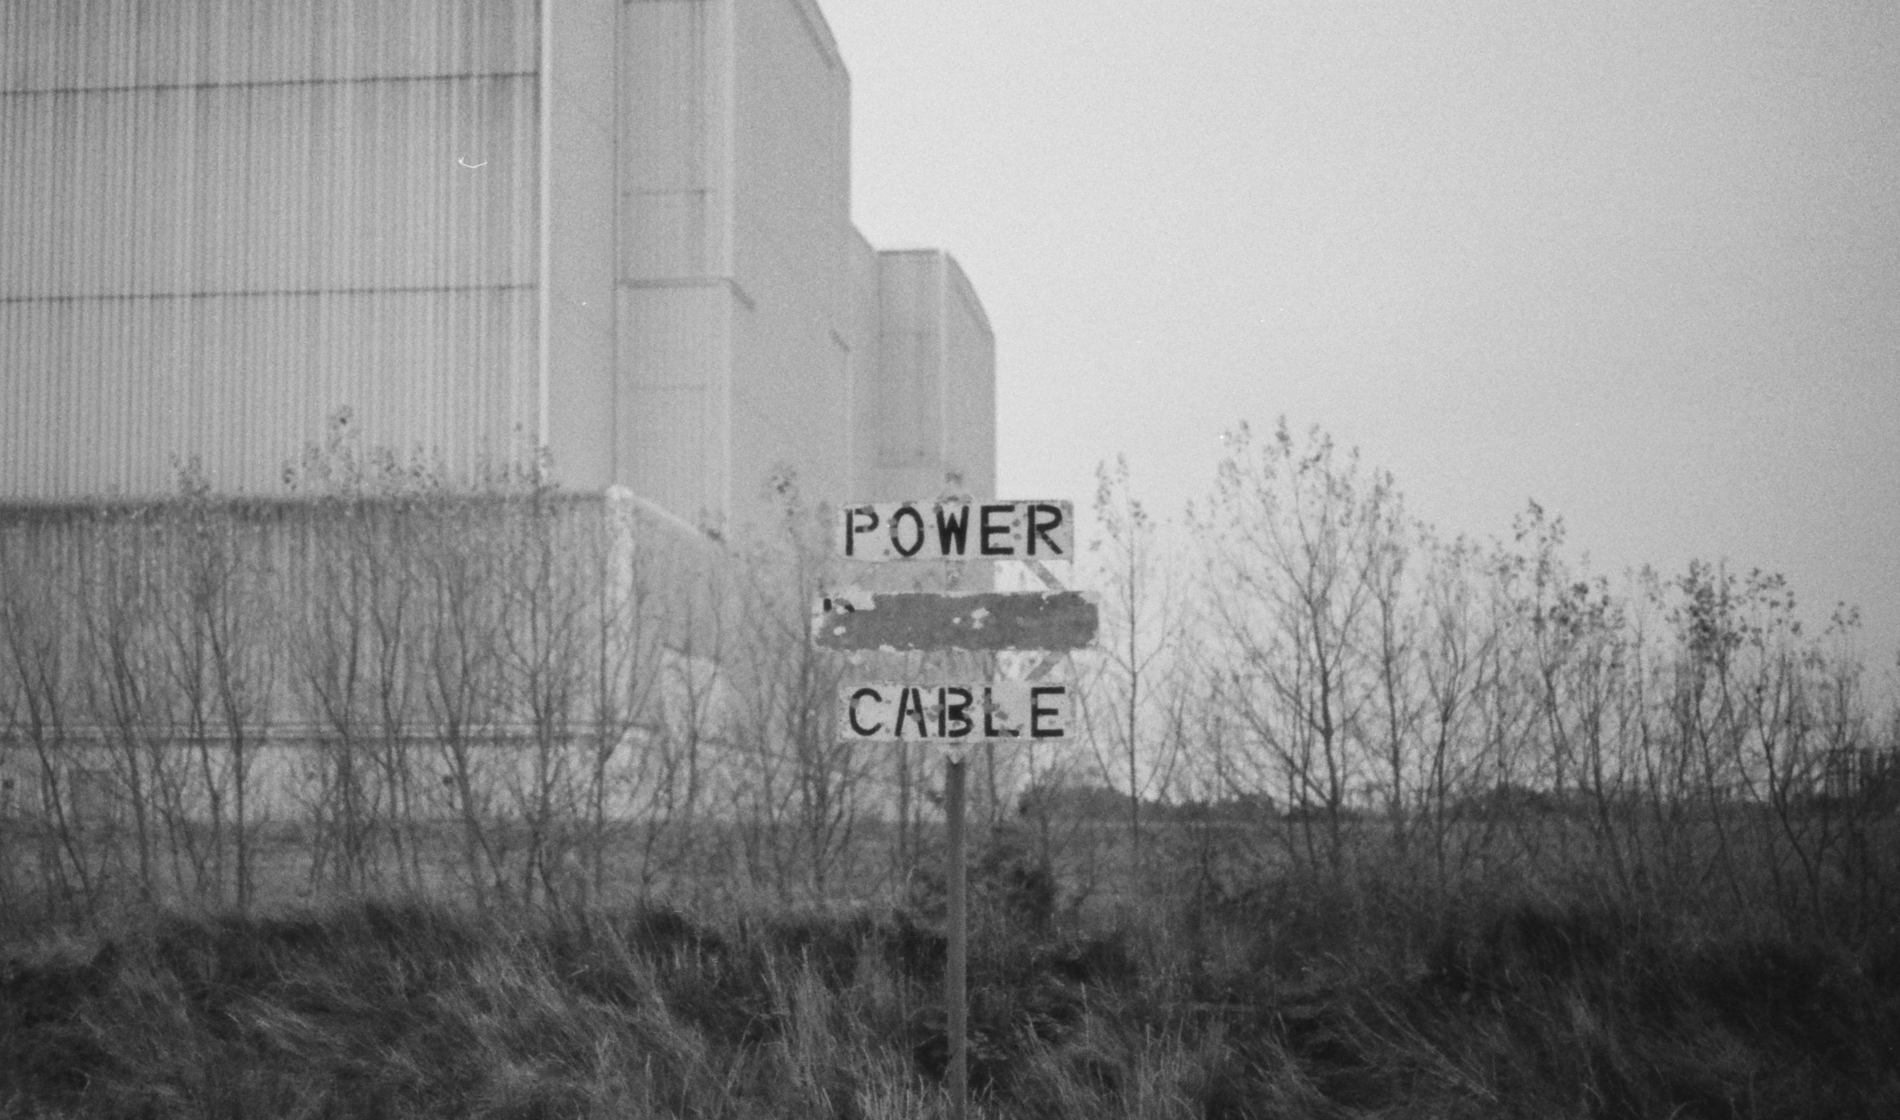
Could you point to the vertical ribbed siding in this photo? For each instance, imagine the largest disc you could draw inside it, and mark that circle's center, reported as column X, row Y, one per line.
column 222, row 220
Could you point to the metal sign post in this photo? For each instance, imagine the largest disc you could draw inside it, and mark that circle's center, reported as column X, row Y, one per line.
column 957, row 714
column 955, row 979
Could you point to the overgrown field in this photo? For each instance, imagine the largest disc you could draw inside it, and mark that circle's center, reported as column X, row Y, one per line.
column 406, row 1009
column 405, row 795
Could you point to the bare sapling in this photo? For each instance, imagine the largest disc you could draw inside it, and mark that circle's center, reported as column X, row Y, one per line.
column 1133, row 701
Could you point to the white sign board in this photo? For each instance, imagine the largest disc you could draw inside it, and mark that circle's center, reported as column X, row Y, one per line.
column 953, row 530
column 890, row 712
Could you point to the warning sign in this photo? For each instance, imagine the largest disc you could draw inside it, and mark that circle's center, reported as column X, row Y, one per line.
column 958, row 531
column 883, row 711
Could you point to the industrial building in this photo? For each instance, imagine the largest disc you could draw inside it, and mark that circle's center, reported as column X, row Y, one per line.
column 618, row 230
column 616, row 233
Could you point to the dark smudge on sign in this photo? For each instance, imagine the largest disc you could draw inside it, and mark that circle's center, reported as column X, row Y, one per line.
column 972, row 620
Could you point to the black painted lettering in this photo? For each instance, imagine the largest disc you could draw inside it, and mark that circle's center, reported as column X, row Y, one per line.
column 990, row 730
column 960, row 712
column 852, row 526
column 1040, row 528
column 917, row 525
column 989, row 530
column 876, row 698
column 1037, row 711
column 911, row 703
column 953, row 529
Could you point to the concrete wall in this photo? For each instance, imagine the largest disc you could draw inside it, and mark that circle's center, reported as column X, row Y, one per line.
column 739, row 312
column 675, row 290
column 108, row 648
column 932, row 410
column 583, row 392
column 867, row 360
column 969, row 375
column 791, row 376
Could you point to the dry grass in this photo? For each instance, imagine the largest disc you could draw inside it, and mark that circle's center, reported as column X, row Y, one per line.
column 412, row 1010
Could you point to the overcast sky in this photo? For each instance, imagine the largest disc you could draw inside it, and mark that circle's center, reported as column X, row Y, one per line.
column 1637, row 261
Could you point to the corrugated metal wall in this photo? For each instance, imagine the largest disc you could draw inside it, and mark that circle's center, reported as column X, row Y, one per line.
column 220, row 220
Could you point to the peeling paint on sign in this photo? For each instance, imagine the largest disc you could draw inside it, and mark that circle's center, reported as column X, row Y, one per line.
column 967, row 620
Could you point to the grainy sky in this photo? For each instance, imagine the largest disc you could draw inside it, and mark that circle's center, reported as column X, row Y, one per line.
column 1639, row 262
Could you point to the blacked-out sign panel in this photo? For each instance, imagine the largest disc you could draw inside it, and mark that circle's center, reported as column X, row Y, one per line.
column 954, row 530
column 889, row 712
column 971, row 620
